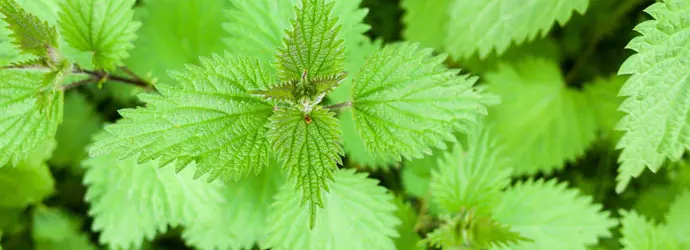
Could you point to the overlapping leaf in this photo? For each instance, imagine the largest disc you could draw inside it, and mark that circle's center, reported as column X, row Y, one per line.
column 241, row 220
column 474, row 232
column 209, row 117
column 426, row 22
column 677, row 219
column 30, row 181
column 551, row 216
column 102, row 27
column 55, row 229
column 81, row 121
column 357, row 55
column 542, row 123
column 310, row 149
column 603, row 95
column 639, row 234
column 657, row 121
column 471, row 179
column 407, row 236
column 133, row 202
column 29, row 113
column 357, row 214
column 406, row 102
column 176, row 32
column 313, row 44
column 484, row 26
column 258, row 27
column 31, row 35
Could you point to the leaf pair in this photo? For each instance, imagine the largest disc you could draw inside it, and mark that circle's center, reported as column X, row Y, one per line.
column 472, row 188
column 463, row 28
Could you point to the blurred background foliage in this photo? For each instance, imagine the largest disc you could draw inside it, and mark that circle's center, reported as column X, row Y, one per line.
column 587, row 52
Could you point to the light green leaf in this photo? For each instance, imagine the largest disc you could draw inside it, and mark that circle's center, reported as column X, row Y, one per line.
column 30, row 181
column 406, row 102
column 80, row 122
column 257, row 27
column 176, row 32
column 657, row 121
column 209, row 118
column 677, row 219
column 29, row 113
column 552, row 216
column 542, row 123
column 426, row 22
column 602, row 94
column 408, row 237
column 132, row 202
column 640, row 234
column 357, row 214
column 471, row 232
column 102, row 27
column 310, row 149
column 55, row 229
column 31, row 35
column 313, row 43
column 241, row 220
column 354, row 144
column 416, row 174
column 484, row 26
column 472, row 178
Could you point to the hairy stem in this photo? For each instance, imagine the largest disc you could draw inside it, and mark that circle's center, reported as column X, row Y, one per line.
column 100, row 75
column 79, row 83
column 338, row 106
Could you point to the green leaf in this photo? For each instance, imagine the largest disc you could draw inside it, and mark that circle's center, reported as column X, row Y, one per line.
column 406, row 102
column 677, row 219
column 416, row 174
column 31, row 35
column 310, row 148
column 471, row 232
column 640, row 234
column 353, row 143
column 542, row 123
column 240, row 221
column 29, row 114
column 258, row 27
column 80, row 122
column 131, row 202
column 102, row 27
column 426, row 22
column 472, row 178
column 30, row 181
column 602, row 94
column 552, row 216
column 313, row 44
column 209, row 118
column 55, row 229
column 358, row 214
column 657, row 124
column 484, row 26
column 408, row 237
column 176, row 32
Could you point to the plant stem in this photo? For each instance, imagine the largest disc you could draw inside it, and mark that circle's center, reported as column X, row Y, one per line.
column 96, row 76
column 79, row 83
column 339, row 105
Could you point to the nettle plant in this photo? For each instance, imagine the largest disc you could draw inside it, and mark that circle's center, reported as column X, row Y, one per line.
column 245, row 148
